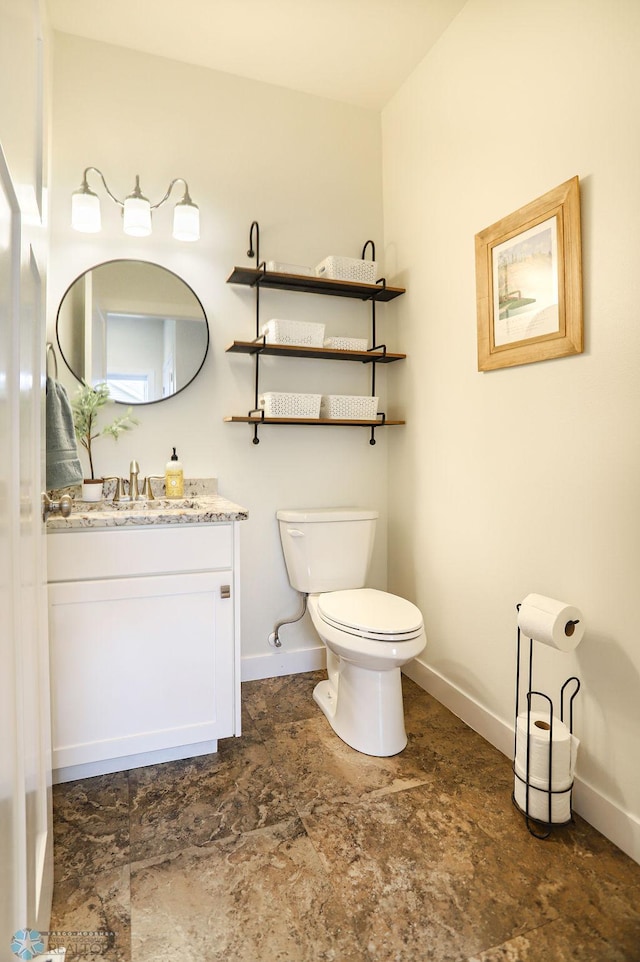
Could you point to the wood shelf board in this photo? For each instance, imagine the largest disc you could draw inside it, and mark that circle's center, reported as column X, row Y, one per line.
column 335, row 421
column 326, row 353
column 308, row 284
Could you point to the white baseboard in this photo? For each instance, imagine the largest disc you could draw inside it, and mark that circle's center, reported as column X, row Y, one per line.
column 107, row 766
column 282, row 662
column 620, row 827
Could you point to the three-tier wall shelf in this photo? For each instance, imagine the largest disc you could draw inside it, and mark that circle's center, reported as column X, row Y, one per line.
column 258, row 278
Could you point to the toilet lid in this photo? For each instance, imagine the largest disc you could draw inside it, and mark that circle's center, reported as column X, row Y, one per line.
column 368, row 611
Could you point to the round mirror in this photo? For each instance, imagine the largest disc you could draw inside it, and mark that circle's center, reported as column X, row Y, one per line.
column 135, row 326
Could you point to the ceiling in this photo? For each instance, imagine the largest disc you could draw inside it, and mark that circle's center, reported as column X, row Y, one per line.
column 356, row 51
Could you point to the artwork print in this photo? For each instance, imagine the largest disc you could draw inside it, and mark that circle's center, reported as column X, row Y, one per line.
column 525, row 285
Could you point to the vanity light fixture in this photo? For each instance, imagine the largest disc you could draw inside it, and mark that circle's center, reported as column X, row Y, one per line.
column 136, row 210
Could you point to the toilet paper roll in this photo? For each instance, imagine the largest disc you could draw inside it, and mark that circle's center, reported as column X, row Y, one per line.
column 551, row 622
column 563, row 748
column 538, row 804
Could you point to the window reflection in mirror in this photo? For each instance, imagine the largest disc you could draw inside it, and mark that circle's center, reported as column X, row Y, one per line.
column 135, row 325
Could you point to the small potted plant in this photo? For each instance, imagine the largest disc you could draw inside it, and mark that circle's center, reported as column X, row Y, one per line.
column 86, row 404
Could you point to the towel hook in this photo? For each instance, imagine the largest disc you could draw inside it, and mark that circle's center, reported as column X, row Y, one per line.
column 51, row 353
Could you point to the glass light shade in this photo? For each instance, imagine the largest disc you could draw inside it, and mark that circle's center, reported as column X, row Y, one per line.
column 186, row 222
column 85, row 211
column 137, row 216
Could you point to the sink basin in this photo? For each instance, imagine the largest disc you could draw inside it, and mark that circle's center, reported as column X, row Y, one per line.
column 143, row 505
column 155, row 504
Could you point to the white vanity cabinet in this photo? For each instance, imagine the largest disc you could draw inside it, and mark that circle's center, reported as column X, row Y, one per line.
column 144, row 647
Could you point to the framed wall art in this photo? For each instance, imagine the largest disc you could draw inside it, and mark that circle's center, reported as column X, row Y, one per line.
column 529, row 282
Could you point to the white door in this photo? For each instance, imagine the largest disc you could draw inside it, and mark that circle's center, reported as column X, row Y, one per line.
column 25, row 777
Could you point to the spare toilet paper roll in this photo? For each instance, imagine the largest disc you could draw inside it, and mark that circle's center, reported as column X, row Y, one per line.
column 536, row 806
column 552, row 622
column 563, row 748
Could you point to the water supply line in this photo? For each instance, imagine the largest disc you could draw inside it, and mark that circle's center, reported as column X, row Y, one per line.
column 274, row 639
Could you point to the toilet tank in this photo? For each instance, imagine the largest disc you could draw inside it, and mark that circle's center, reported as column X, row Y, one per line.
column 327, row 549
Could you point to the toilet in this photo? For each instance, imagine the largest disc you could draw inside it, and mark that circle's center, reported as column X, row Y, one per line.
column 369, row 634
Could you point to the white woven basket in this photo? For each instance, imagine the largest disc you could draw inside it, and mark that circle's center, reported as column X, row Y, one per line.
column 279, row 268
column 347, row 269
column 351, row 406
column 302, row 333
column 346, row 343
column 277, row 404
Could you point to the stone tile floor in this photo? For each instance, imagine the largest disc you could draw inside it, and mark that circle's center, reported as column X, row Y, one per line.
column 288, row 846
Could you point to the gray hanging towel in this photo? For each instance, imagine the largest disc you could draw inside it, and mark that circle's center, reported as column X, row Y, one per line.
column 63, row 463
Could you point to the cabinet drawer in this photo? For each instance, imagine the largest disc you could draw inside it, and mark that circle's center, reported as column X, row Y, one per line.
column 121, row 552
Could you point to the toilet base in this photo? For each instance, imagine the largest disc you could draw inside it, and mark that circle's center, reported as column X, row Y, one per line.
column 364, row 708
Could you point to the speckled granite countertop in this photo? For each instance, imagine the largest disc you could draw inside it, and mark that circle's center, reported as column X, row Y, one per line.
column 201, row 505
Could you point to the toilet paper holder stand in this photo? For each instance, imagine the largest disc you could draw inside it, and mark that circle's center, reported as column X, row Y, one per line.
column 537, row 828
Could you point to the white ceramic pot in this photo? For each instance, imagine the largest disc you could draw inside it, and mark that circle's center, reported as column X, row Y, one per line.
column 92, row 489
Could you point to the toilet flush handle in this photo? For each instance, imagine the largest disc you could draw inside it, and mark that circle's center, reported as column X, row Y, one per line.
column 295, row 532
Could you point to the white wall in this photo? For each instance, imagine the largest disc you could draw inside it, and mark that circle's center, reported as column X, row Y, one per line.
column 523, row 479
column 310, row 171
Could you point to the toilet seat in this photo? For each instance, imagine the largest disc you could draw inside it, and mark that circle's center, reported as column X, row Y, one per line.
column 369, row 613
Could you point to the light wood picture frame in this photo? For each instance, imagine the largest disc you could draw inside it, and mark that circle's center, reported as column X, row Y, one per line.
column 529, row 282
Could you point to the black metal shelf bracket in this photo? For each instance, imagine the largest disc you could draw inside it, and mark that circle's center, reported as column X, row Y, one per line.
column 255, row 227
column 363, row 256
column 372, row 350
column 383, row 282
column 383, row 417
column 541, row 829
column 258, row 421
column 251, row 252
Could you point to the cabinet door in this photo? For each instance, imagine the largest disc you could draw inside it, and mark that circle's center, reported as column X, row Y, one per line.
column 139, row 665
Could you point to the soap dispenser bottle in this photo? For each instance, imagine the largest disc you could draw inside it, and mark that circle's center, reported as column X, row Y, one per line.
column 174, row 477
